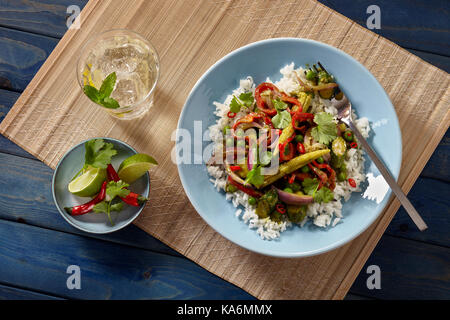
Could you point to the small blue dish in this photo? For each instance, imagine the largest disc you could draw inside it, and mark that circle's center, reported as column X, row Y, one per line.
column 261, row 60
column 91, row 222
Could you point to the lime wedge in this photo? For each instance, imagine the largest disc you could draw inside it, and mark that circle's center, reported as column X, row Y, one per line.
column 135, row 167
column 89, row 183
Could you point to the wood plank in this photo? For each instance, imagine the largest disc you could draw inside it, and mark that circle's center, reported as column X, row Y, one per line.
column 26, row 197
column 419, row 25
column 7, row 100
column 437, row 166
column 21, row 57
column 409, row 270
column 11, row 293
column 108, row 271
column 46, row 17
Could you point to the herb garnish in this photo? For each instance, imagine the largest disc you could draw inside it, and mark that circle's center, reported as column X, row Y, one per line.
column 310, row 187
column 98, row 155
column 102, row 96
column 326, row 130
column 113, row 190
column 283, row 117
column 244, row 100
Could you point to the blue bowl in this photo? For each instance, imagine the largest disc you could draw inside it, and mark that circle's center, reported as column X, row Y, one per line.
column 261, row 60
column 91, row 222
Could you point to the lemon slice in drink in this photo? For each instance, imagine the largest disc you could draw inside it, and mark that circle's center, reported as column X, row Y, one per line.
column 135, row 167
column 89, row 183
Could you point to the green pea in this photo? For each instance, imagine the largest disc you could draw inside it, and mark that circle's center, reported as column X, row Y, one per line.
column 288, row 190
column 226, row 130
column 305, row 169
column 294, row 186
column 342, row 176
column 348, row 136
column 320, row 160
column 231, row 188
column 252, row 201
column 299, row 138
column 311, row 75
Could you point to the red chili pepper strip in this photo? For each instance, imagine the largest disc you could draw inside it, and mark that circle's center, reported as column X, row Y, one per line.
column 235, row 168
column 300, row 117
column 322, row 176
column 231, row 115
column 247, row 190
column 260, row 103
column 251, row 117
column 87, row 207
column 301, row 148
column 292, row 100
column 292, row 178
column 280, row 208
column 132, row 198
column 332, row 177
column 354, row 145
column 302, row 176
column 288, row 154
column 352, row 182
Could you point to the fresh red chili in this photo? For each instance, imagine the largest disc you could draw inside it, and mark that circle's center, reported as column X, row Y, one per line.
column 302, row 176
column 246, row 190
column 299, row 117
column 301, row 148
column 322, row 175
column 292, row 178
column 260, row 103
column 354, row 145
column 87, row 207
column 132, row 198
column 287, row 151
column 280, row 208
column 235, row 168
column 231, row 115
column 292, row 100
column 352, row 182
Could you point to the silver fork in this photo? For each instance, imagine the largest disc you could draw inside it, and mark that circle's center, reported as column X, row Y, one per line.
column 345, row 115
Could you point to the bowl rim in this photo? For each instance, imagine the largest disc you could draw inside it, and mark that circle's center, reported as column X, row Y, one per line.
column 344, row 240
column 63, row 214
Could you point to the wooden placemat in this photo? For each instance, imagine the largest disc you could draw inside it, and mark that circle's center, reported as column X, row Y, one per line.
column 52, row 115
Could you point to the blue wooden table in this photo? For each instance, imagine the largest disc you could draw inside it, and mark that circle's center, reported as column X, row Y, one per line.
column 37, row 245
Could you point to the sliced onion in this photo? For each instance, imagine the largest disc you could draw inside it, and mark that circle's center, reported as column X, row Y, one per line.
column 295, row 199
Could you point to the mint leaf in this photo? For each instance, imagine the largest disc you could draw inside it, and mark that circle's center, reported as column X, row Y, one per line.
column 282, row 119
column 98, row 153
column 117, row 189
column 108, row 86
column 255, row 177
column 326, row 130
column 92, row 93
column 110, row 103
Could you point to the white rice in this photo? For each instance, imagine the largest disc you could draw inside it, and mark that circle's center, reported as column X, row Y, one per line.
column 321, row 214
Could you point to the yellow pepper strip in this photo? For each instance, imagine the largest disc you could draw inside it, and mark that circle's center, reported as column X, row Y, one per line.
column 293, row 165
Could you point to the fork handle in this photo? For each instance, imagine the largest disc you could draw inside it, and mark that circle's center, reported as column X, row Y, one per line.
column 412, row 212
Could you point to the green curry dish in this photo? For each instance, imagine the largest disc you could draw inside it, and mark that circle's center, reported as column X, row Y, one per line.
column 296, row 214
column 266, row 204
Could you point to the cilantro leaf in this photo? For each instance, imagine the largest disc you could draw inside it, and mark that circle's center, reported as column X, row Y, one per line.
column 282, row 119
column 235, row 105
column 311, row 186
column 247, row 99
column 98, row 153
column 116, row 189
column 255, row 177
column 279, row 105
column 324, row 194
column 265, row 158
column 244, row 100
column 326, row 130
column 104, row 207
